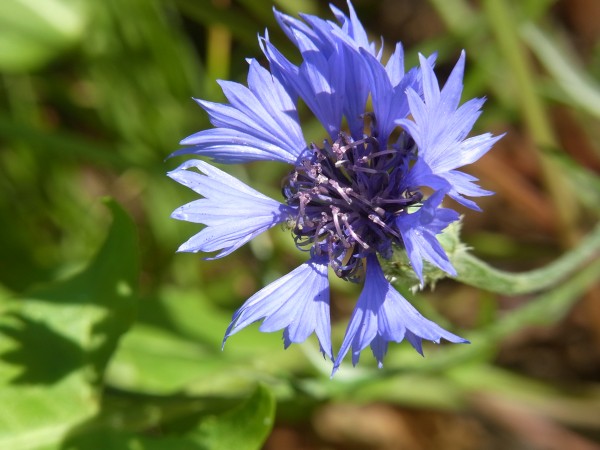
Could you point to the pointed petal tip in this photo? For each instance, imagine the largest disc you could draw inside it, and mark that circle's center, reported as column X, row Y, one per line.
column 327, row 354
column 176, row 214
column 451, row 337
column 189, row 140
column 184, row 249
column 419, row 273
column 227, row 335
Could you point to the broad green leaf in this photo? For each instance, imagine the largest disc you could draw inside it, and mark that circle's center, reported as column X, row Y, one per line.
column 243, row 428
column 109, row 439
column 32, row 31
column 58, row 339
column 155, row 361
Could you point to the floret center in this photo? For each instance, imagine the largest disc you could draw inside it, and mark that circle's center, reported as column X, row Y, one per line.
column 347, row 195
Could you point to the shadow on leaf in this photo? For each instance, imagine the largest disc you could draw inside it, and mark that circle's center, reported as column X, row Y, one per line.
column 44, row 355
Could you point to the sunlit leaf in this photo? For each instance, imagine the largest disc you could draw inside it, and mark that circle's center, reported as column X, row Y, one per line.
column 243, row 428
column 32, row 32
column 58, row 339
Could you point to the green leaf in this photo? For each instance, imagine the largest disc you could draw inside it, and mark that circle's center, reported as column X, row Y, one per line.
column 154, row 361
column 32, row 32
column 105, row 439
column 184, row 423
column 243, row 428
column 60, row 338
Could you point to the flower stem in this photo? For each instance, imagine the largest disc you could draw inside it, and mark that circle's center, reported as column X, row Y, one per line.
column 477, row 273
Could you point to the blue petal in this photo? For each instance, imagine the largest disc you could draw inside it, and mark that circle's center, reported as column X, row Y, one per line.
column 320, row 80
column 389, row 104
column 395, row 65
column 231, row 146
column 355, row 82
column 261, row 120
column 291, row 26
column 353, row 28
column 323, row 33
column 320, row 38
column 388, row 91
column 320, row 84
column 454, row 182
column 418, row 232
column 356, row 92
column 279, row 65
column 297, row 302
column 332, row 79
column 382, row 315
column 233, row 212
column 439, row 127
column 466, row 183
column 324, row 37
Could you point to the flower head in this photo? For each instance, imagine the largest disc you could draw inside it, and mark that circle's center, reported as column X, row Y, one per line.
column 352, row 198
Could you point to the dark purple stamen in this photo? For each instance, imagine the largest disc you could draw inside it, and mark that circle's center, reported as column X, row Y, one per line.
column 347, row 195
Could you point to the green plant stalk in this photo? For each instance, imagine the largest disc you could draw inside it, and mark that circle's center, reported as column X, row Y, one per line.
column 477, row 273
column 505, row 28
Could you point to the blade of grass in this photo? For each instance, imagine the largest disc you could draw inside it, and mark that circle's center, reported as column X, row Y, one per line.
column 580, row 89
column 505, row 28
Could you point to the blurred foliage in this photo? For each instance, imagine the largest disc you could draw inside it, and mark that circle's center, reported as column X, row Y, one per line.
column 109, row 340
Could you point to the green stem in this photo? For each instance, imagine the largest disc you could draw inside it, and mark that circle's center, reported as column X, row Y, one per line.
column 477, row 273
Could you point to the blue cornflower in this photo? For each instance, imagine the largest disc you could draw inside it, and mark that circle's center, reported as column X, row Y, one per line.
column 347, row 201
